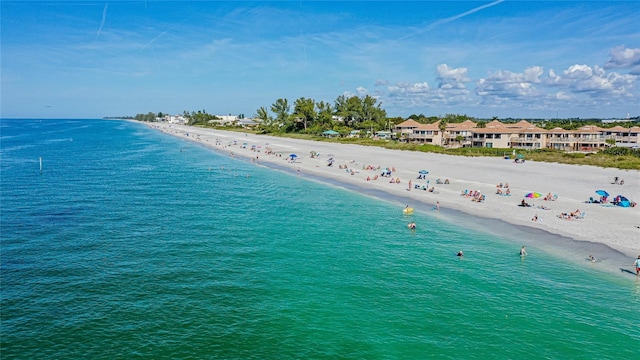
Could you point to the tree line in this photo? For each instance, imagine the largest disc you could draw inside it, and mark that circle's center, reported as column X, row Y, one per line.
column 307, row 115
column 347, row 113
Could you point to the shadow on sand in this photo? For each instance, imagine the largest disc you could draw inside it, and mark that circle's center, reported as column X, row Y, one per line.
column 627, row 271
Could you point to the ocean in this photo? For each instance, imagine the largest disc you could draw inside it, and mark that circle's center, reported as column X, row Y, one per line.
column 131, row 243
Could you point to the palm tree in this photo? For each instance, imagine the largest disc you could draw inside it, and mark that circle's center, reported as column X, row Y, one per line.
column 281, row 109
column 263, row 114
column 324, row 111
column 305, row 109
column 443, row 127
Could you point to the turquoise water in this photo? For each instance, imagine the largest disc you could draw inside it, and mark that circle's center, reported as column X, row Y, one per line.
column 135, row 244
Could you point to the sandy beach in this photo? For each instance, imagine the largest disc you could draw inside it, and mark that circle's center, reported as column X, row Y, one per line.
column 612, row 232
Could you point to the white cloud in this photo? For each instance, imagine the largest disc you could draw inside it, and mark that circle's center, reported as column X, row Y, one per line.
column 532, row 74
column 507, row 85
column 579, row 86
column 408, row 89
column 552, row 78
column 452, row 78
column 624, row 58
column 583, row 78
column 561, row 95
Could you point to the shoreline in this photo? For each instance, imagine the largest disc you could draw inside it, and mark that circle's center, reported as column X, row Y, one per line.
column 609, row 233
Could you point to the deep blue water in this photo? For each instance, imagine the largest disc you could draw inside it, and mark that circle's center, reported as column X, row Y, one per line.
column 135, row 244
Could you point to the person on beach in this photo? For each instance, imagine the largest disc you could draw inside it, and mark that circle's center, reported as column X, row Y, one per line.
column 411, row 225
column 592, row 258
column 437, row 205
column 523, row 251
column 409, row 185
column 461, row 254
column 637, row 265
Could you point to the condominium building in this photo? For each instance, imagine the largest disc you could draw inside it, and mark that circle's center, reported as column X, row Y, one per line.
column 521, row 135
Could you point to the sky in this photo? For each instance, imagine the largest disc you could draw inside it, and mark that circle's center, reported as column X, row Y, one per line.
column 510, row 59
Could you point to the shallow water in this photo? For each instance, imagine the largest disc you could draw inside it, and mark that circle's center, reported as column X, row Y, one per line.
column 133, row 243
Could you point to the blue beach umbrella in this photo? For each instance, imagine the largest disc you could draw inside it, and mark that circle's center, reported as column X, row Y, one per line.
column 623, row 201
column 293, row 155
column 602, row 193
column 423, row 172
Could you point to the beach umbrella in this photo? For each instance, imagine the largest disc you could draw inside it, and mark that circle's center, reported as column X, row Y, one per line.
column 533, row 195
column 602, row 193
column 293, row 155
column 622, row 201
column 423, row 172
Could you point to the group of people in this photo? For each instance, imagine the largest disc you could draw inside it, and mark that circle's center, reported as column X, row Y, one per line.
column 426, row 188
column 387, row 172
column 572, row 215
column 636, row 263
column 475, row 195
column 602, row 200
column 503, row 189
column 618, row 181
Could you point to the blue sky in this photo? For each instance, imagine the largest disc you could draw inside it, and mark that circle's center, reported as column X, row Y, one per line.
column 481, row 58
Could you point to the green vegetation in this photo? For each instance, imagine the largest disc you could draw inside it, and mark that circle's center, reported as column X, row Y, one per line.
column 313, row 117
column 307, row 119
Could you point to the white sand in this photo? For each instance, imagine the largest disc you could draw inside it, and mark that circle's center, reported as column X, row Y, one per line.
column 615, row 227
